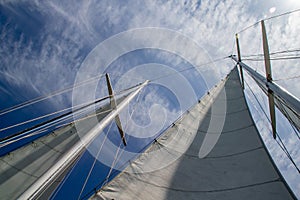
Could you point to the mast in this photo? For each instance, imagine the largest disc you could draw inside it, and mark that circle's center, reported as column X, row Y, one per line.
column 56, row 170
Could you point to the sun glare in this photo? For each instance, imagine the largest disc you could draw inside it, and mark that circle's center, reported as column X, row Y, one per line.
column 273, row 9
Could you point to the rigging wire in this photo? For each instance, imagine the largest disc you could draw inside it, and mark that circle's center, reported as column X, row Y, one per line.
column 94, row 162
column 282, row 14
column 69, row 88
column 52, row 94
column 46, row 115
column 276, row 58
column 282, row 105
column 248, row 27
column 2, row 112
column 102, row 147
column 85, row 105
column 274, row 53
column 118, row 157
column 280, row 142
column 66, row 89
column 100, row 185
column 170, row 74
column 283, row 109
column 44, row 129
column 52, row 148
column 52, row 121
column 189, row 68
column 61, row 91
column 265, row 19
column 259, row 57
column 287, row 78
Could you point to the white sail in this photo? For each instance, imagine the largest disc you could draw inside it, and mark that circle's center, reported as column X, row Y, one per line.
column 238, row 167
column 23, row 167
column 213, row 152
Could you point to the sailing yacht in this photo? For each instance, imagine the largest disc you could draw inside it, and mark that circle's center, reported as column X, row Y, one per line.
column 192, row 159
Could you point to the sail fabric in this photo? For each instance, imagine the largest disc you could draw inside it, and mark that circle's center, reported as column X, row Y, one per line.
column 22, row 167
column 213, row 152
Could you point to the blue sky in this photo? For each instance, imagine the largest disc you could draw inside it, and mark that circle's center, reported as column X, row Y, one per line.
column 44, row 45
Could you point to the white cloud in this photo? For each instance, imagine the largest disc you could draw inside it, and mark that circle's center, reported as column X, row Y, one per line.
column 50, row 59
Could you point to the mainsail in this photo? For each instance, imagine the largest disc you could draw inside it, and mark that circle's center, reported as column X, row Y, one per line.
column 238, row 167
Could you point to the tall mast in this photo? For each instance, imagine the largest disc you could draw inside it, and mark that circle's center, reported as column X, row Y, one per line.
column 56, row 170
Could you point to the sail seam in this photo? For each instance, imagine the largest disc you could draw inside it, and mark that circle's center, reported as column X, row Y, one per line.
column 212, row 191
column 20, row 170
column 209, row 113
column 231, row 131
column 211, row 157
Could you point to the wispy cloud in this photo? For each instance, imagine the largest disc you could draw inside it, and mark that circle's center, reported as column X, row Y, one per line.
column 44, row 43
